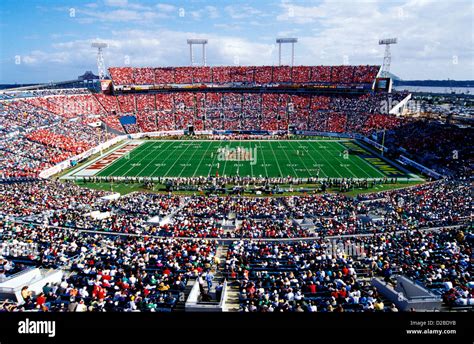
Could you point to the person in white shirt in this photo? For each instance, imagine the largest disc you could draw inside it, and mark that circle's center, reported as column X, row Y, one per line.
column 81, row 307
column 290, row 296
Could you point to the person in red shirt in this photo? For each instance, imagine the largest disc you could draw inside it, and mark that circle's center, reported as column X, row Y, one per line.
column 311, row 288
column 40, row 300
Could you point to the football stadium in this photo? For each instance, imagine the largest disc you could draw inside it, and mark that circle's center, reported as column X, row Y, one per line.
column 233, row 188
column 278, row 158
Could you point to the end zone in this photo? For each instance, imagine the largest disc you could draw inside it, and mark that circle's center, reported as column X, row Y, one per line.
column 103, row 161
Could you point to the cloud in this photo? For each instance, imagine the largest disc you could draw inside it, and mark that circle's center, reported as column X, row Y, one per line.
column 147, row 48
column 210, row 12
column 115, row 3
column 429, row 33
column 241, row 12
column 300, row 14
column 431, row 36
column 123, row 11
column 166, row 7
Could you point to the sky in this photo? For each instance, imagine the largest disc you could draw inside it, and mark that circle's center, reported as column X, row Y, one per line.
column 49, row 40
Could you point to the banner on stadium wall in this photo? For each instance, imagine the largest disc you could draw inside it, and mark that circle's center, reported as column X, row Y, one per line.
column 373, row 143
column 203, row 132
column 404, row 160
column 245, row 132
column 322, row 133
column 156, row 134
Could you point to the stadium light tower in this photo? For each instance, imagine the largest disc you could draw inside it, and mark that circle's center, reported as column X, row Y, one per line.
column 203, row 42
column 287, row 40
column 100, row 58
column 387, row 59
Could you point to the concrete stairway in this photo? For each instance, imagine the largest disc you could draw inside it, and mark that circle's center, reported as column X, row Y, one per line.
column 232, row 300
column 180, row 305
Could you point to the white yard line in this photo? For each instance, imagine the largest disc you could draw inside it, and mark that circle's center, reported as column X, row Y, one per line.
column 139, row 161
column 302, row 160
column 166, row 174
column 251, row 166
column 264, row 162
column 321, row 170
column 167, row 157
column 289, row 161
column 195, row 150
column 214, row 159
column 357, row 165
column 328, row 152
column 151, row 161
column 378, row 171
column 202, row 158
column 328, row 163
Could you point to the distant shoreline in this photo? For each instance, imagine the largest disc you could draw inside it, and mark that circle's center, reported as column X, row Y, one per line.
column 434, row 83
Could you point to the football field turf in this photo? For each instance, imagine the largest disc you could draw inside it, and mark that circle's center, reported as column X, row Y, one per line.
column 295, row 158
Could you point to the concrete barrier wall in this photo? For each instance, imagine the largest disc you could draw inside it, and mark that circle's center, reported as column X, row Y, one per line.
column 193, row 304
column 407, row 294
column 34, row 279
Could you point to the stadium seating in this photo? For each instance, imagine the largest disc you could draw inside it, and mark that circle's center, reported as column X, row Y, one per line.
column 109, row 104
column 183, row 75
column 145, row 102
column 301, row 74
column 263, row 75
column 202, row 75
column 221, row 75
column 164, row 76
column 259, row 75
column 144, row 76
column 321, row 74
column 278, row 253
column 121, row 75
column 126, row 103
column 281, row 74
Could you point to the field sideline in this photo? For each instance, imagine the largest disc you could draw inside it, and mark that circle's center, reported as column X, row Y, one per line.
column 259, row 158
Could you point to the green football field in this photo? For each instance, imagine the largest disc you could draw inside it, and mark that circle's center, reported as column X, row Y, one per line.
column 296, row 158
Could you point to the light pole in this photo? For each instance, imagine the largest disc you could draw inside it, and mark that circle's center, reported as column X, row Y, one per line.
column 281, row 41
column 202, row 42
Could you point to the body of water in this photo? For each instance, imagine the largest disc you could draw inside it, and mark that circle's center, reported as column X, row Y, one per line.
column 429, row 89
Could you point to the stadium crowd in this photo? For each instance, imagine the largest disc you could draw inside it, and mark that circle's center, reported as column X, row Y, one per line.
column 319, row 275
column 137, row 252
column 126, row 76
column 39, row 132
column 110, row 273
column 69, row 124
column 441, row 203
column 449, row 149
